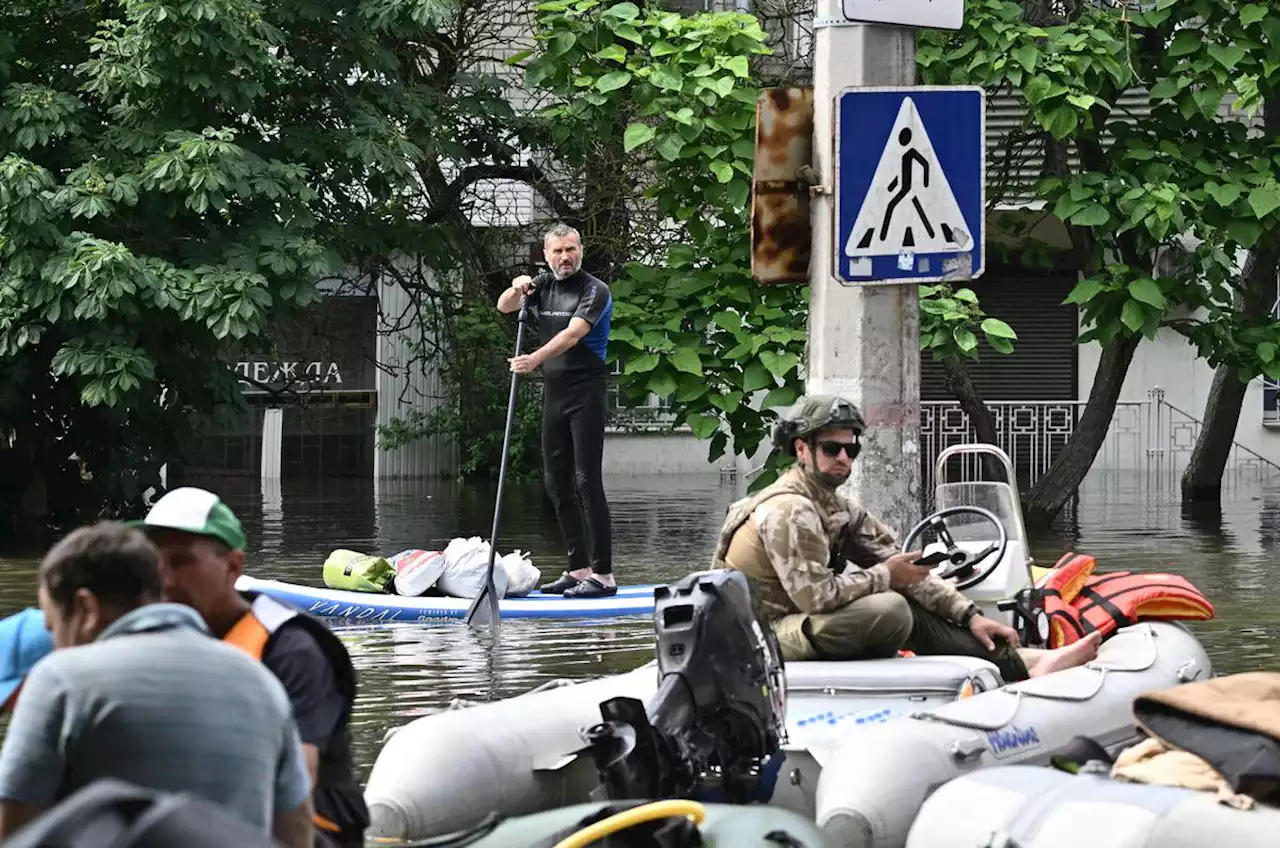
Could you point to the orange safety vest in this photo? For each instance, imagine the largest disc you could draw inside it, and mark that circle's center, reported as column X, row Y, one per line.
column 1079, row 602
column 252, row 633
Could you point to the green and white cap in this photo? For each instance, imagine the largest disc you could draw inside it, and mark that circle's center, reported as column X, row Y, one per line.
column 196, row 511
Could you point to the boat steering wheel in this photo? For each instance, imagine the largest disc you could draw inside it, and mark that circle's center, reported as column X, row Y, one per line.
column 960, row 563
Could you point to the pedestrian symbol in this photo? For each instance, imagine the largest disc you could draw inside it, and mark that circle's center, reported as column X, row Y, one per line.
column 910, row 205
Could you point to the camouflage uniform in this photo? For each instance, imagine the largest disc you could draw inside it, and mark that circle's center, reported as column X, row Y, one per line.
column 814, row 559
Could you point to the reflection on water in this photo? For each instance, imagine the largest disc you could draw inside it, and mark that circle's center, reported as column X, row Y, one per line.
column 664, row 527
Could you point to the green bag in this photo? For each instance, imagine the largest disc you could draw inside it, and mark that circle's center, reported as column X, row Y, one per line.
column 357, row 572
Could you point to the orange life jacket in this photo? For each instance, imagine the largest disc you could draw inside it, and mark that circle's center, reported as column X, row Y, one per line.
column 1058, row 589
column 253, row 632
column 1118, row 599
column 1079, row 602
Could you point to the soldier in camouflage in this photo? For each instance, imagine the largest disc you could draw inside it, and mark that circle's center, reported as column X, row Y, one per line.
column 829, row 576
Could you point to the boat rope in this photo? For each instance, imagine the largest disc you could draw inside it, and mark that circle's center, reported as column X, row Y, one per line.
column 630, row 818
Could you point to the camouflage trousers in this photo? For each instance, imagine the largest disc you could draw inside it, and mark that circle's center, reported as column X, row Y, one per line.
column 878, row 626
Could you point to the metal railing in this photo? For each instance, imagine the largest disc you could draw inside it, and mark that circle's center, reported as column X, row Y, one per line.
column 1150, row 439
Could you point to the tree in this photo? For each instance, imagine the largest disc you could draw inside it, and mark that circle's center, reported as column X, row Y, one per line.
column 1156, row 206
column 144, row 225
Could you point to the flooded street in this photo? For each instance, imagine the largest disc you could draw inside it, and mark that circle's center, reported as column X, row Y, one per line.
column 664, row 527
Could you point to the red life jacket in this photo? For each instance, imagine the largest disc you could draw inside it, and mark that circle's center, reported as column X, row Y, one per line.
column 1121, row 598
column 1059, row 588
column 1079, row 602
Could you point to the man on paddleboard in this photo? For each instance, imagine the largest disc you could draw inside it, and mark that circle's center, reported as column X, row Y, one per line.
column 573, row 310
column 829, row 576
column 202, row 545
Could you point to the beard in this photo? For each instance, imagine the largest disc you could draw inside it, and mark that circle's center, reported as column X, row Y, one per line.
column 567, row 269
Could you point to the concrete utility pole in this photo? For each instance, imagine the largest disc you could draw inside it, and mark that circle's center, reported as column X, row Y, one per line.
column 864, row 340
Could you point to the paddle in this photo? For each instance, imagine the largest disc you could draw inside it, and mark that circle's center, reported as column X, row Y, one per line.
column 484, row 608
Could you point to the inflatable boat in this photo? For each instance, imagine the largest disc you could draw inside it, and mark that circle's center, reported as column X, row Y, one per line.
column 1027, row 806
column 865, row 797
column 370, row 607
column 660, row 824
column 538, row 751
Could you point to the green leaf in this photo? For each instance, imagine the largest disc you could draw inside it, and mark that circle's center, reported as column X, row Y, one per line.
column 612, row 53
column 1146, row 291
column 613, row 81
column 738, row 65
column 1165, row 89
column 641, row 364
column 1224, row 195
column 662, row 383
column 1264, row 200
column 779, row 364
column 687, row 360
column 628, row 32
column 622, row 12
column 723, row 171
column 965, row 339
column 517, row 58
column 1228, row 56
column 1026, row 56
column 756, row 377
column 997, row 328
column 669, row 146
column 781, row 396
column 703, row 426
column 966, row 295
column 1245, row 233
column 1132, row 316
column 1267, row 351
column 637, row 135
column 1092, row 215
column 1186, row 42
column 1084, row 292
column 1252, row 14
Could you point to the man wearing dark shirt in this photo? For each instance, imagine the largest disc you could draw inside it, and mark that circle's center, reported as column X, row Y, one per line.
column 202, row 545
column 573, row 310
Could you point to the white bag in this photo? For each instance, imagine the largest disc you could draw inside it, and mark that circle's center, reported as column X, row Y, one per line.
column 417, row 571
column 467, row 566
column 522, row 576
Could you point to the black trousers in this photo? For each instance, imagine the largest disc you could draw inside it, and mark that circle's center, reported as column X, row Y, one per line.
column 573, row 421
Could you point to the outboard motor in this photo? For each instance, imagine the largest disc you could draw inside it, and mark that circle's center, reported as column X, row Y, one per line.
column 719, row 712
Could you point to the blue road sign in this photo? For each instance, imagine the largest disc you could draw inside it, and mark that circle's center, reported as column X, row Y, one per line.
column 910, row 184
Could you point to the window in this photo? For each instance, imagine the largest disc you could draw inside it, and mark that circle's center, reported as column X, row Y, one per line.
column 623, row 413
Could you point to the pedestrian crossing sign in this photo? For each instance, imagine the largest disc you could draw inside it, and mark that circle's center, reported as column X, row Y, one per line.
column 910, row 184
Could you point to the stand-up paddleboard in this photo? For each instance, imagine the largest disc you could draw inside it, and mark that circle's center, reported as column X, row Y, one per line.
column 370, row 607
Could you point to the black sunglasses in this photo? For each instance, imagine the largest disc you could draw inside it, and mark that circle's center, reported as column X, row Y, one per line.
column 832, row 449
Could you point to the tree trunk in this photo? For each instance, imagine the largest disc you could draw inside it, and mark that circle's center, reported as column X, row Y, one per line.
column 958, row 382
column 1047, row 497
column 1202, row 481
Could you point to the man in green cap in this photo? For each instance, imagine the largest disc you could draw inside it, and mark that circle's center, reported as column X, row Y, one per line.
column 202, row 545
column 829, row 575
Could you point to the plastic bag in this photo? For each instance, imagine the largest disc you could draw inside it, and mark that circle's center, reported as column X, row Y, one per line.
column 417, row 571
column 352, row 571
column 522, row 576
column 466, row 566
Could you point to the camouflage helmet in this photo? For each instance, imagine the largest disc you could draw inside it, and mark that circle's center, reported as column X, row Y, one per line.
column 813, row 413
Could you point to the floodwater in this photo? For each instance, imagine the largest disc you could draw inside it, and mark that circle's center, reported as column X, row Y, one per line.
column 664, row 527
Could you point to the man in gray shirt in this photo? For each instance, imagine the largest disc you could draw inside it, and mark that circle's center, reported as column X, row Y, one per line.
column 140, row 691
